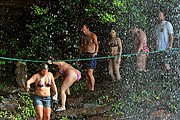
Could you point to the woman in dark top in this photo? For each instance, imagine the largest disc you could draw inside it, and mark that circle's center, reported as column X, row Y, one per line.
column 43, row 80
column 115, row 50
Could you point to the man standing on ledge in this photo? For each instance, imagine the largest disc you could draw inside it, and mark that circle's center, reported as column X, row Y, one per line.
column 164, row 38
column 88, row 49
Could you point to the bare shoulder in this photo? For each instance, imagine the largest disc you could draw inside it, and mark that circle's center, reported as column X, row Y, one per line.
column 36, row 75
column 93, row 35
column 64, row 63
column 49, row 73
column 119, row 39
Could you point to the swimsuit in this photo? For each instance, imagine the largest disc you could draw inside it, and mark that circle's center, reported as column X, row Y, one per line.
column 114, row 43
column 39, row 100
column 40, row 84
column 145, row 49
column 76, row 71
column 78, row 74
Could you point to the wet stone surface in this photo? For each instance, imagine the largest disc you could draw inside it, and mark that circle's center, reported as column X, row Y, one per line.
column 100, row 104
column 84, row 105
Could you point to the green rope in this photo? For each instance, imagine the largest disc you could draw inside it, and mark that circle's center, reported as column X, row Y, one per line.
column 106, row 57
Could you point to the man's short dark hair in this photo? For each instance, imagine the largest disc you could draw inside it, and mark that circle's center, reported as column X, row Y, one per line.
column 161, row 12
column 87, row 25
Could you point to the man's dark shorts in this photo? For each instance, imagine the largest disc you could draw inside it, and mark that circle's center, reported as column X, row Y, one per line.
column 88, row 62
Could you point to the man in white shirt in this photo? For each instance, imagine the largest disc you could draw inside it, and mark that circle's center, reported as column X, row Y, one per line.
column 164, row 38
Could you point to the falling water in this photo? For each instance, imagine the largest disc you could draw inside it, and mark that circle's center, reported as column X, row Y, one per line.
column 149, row 95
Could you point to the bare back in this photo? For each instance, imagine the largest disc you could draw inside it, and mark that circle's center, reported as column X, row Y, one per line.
column 142, row 37
column 141, row 40
column 64, row 66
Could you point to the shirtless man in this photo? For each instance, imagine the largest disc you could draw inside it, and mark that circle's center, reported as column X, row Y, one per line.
column 88, row 49
column 115, row 50
column 141, row 46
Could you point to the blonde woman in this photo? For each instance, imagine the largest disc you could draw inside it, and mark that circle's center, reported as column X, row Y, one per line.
column 43, row 80
column 70, row 75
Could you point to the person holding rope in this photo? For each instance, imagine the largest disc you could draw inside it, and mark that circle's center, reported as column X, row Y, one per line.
column 89, row 48
column 43, row 80
column 115, row 50
column 141, row 46
column 164, row 38
column 70, row 75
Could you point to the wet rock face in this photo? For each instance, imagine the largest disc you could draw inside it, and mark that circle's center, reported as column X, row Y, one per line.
column 8, row 104
column 160, row 115
column 21, row 74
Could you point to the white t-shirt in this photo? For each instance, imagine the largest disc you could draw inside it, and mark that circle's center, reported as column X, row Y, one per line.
column 162, row 33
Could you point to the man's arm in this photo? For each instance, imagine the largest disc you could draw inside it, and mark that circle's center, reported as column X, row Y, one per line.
column 171, row 34
column 171, row 39
column 96, row 44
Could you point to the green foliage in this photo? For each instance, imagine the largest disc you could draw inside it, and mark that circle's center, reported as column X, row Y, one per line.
column 140, row 98
column 40, row 11
column 52, row 28
column 103, row 100
column 79, row 86
column 115, row 11
column 2, row 53
column 64, row 118
column 39, row 44
column 6, row 114
column 118, row 108
column 27, row 109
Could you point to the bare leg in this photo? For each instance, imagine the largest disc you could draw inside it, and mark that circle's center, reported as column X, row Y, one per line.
column 68, row 81
column 88, row 81
column 111, row 69
column 68, row 91
column 47, row 113
column 143, row 62
column 139, row 62
column 91, row 78
column 63, row 97
column 39, row 112
column 116, row 67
